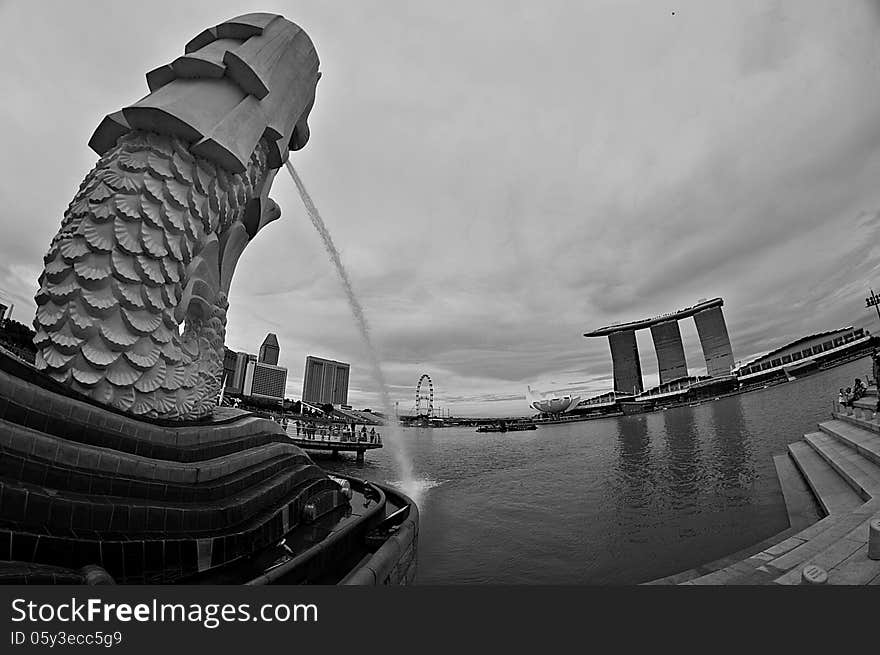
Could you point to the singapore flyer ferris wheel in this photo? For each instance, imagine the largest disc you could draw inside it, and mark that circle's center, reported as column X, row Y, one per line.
column 425, row 400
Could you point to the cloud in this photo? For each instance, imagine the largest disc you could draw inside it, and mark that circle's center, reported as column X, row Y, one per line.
column 500, row 178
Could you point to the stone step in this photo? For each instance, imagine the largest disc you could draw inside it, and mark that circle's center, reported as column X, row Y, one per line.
column 860, row 473
column 827, row 544
column 857, row 569
column 750, row 554
column 841, row 552
column 864, row 441
column 800, row 502
column 860, row 418
column 781, row 562
column 749, row 571
column 806, row 551
column 831, row 490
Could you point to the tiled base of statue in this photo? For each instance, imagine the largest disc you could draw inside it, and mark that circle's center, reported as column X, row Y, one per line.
column 82, row 485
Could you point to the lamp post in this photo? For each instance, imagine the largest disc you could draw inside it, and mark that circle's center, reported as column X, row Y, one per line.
column 873, row 301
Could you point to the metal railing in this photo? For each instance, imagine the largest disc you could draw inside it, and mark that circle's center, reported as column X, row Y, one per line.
column 330, row 434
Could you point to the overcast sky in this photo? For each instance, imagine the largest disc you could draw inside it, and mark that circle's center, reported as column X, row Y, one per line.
column 501, row 177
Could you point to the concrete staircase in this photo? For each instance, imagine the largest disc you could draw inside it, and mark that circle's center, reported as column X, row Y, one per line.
column 841, row 465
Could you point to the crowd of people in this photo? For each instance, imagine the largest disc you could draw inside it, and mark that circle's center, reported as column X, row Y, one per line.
column 344, row 432
column 848, row 396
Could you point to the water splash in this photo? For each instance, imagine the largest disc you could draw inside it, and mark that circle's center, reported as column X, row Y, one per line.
column 395, row 438
column 416, row 489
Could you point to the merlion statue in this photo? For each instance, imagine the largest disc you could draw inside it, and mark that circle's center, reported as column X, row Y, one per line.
column 106, row 473
column 131, row 309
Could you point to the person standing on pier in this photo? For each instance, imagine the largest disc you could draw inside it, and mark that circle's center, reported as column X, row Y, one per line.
column 858, row 389
column 875, row 361
column 372, row 435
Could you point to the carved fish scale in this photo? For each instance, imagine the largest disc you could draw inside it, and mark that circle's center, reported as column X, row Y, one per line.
column 99, row 313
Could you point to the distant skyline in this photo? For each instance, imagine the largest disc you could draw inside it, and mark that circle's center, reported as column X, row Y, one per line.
column 502, row 177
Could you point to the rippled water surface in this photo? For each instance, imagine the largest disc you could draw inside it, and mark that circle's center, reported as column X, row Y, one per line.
column 611, row 501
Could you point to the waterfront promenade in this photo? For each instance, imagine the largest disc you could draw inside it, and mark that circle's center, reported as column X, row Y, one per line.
column 840, row 463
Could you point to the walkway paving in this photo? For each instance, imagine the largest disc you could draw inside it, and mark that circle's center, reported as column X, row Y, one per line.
column 841, row 465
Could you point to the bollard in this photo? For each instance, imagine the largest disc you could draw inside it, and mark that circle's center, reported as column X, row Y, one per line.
column 309, row 513
column 813, row 574
column 95, row 575
column 874, row 539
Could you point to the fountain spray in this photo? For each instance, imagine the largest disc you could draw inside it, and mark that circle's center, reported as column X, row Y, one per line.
column 408, row 482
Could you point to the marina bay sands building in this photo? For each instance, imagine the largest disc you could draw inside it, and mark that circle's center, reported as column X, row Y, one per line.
column 666, row 336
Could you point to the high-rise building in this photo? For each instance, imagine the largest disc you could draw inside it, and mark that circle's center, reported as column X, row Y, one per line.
column 264, row 381
column 671, row 363
column 326, row 381
column 269, row 351
column 6, row 306
column 234, row 367
column 252, row 376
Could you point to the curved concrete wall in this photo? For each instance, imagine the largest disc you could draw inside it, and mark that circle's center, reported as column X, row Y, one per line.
column 715, row 341
column 395, row 562
column 670, row 352
column 625, row 359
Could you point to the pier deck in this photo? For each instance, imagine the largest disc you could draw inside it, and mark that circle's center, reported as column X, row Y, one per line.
column 336, row 446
